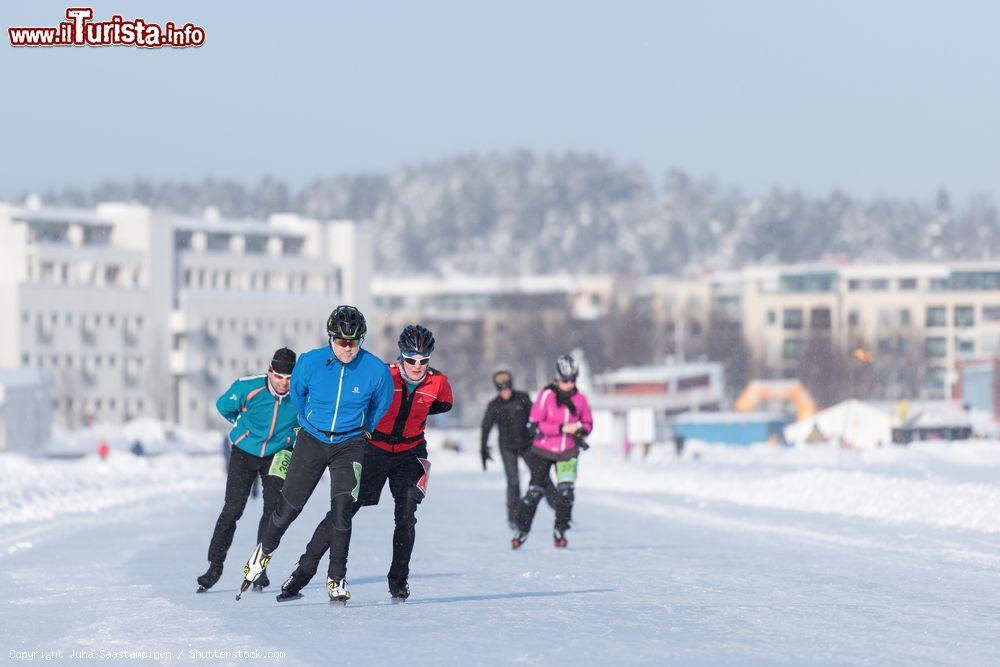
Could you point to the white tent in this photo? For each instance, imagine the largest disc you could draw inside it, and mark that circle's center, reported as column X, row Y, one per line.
column 850, row 424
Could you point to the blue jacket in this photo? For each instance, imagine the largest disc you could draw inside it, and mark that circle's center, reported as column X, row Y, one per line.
column 262, row 422
column 336, row 401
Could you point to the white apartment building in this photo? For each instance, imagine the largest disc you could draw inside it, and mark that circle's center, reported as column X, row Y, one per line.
column 936, row 314
column 139, row 313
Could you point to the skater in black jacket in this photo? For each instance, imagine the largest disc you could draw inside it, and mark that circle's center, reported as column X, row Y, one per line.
column 509, row 411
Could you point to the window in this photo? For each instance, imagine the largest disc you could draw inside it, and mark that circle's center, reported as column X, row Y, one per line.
column 904, row 316
column 907, row 283
column 771, row 318
column 991, row 313
column 683, row 384
column 256, row 245
column 792, row 318
column 854, row 318
column 819, row 318
column 936, row 348
column 884, row 317
column 854, row 285
column 878, row 284
column 965, row 347
column 936, row 316
column 792, row 349
column 965, row 316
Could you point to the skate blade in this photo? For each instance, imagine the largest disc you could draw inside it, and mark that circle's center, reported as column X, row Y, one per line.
column 243, row 589
column 257, row 588
column 398, row 600
column 338, row 603
column 288, row 598
column 201, row 589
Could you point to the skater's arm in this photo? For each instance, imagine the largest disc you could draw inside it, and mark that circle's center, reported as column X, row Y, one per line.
column 489, row 418
column 229, row 403
column 549, row 422
column 444, row 399
column 298, row 389
column 586, row 418
column 381, row 399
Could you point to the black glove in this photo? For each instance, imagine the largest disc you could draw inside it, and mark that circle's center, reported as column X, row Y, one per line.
column 578, row 437
column 485, row 454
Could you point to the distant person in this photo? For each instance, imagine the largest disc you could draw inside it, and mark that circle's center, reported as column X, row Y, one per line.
column 340, row 392
column 679, row 444
column 263, row 419
column 137, row 449
column 510, row 411
column 563, row 418
column 396, row 454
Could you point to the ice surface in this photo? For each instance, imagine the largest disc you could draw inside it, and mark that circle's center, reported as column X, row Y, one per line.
column 737, row 556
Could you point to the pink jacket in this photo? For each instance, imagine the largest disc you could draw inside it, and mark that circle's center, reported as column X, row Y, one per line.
column 550, row 416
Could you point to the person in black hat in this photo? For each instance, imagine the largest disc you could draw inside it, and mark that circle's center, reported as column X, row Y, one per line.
column 509, row 411
column 263, row 421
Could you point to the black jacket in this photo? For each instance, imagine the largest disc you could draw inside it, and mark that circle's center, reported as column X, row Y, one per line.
column 511, row 417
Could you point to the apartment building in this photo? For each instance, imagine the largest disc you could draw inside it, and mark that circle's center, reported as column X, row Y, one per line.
column 907, row 315
column 139, row 313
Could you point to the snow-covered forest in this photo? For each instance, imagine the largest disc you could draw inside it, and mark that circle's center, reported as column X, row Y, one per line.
column 522, row 212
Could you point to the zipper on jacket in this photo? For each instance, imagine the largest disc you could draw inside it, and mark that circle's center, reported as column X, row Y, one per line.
column 562, row 447
column 336, row 408
column 274, row 419
column 241, row 438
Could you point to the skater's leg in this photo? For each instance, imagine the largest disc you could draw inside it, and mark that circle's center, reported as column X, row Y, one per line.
column 407, row 495
column 564, row 507
column 304, row 472
column 566, row 476
column 536, row 490
column 509, row 457
column 548, row 487
column 271, row 485
column 345, row 484
column 238, row 481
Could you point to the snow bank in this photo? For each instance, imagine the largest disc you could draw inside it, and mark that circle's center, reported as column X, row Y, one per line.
column 943, row 485
column 33, row 489
column 156, row 437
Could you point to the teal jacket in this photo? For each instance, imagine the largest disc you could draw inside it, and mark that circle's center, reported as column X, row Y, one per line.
column 262, row 422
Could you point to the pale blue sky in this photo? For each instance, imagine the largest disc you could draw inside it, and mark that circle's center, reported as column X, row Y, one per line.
column 895, row 98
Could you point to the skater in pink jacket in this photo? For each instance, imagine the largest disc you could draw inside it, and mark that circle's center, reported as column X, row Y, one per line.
column 563, row 420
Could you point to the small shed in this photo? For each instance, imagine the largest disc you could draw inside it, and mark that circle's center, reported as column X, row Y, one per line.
column 25, row 410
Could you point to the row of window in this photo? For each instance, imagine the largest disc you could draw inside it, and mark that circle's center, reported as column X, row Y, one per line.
column 85, row 273
column 88, row 363
column 129, row 406
column 935, row 316
column 261, row 281
column 88, row 320
column 253, row 244
column 935, row 347
column 827, row 282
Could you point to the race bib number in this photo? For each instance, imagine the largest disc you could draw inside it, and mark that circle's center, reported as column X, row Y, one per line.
column 279, row 464
column 566, row 471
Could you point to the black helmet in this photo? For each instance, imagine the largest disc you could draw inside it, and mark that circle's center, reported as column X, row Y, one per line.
column 346, row 322
column 566, row 368
column 416, row 339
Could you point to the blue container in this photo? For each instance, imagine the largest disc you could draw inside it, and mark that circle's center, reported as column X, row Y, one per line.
column 731, row 428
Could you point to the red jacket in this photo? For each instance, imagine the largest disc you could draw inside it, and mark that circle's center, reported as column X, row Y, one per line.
column 402, row 427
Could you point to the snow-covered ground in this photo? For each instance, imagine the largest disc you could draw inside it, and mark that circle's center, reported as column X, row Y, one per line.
column 734, row 556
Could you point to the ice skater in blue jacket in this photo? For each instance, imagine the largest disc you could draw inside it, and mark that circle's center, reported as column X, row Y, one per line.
column 340, row 392
column 263, row 419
